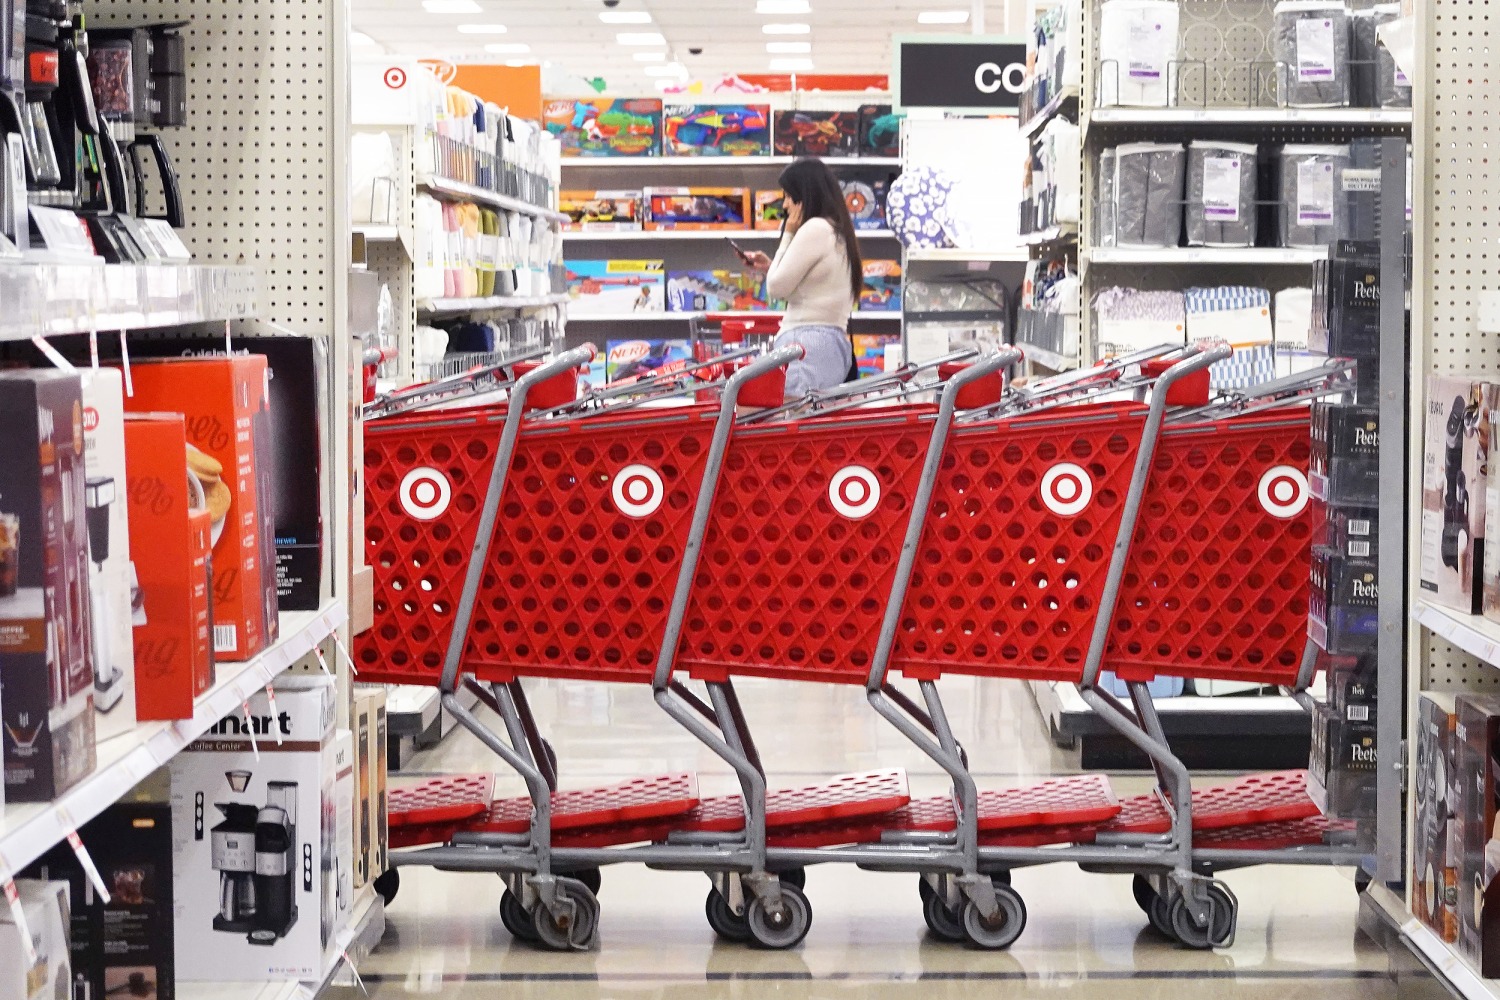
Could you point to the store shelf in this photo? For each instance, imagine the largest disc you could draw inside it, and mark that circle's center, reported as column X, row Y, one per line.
column 593, row 236
column 458, row 307
column 667, row 317
column 1052, row 234
column 1016, row 255
column 1457, row 975
column 1352, row 117
column 1204, row 255
column 1063, row 99
column 484, row 196
column 55, row 299
column 28, row 830
column 385, row 234
column 1050, row 360
column 648, row 162
column 1474, row 634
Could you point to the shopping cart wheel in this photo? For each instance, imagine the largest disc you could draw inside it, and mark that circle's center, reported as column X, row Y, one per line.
column 387, row 884
column 945, row 924
column 1145, row 895
column 1002, row 931
column 561, row 933
column 726, row 923
column 590, row 877
column 1218, row 932
column 1159, row 913
column 925, row 891
column 783, row 930
column 793, row 876
column 515, row 918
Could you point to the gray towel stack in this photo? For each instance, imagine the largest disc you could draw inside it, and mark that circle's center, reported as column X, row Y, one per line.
column 1148, row 194
column 1312, row 206
column 1221, row 209
column 1311, row 44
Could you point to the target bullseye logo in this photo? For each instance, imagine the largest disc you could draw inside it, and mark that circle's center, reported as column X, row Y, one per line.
column 425, row 493
column 1067, row 489
column 395, row 78
column 637, row 490
column 854, row 491
column 1284, row 492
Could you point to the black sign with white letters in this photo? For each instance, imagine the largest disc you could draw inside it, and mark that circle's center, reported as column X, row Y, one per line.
column 981, row 73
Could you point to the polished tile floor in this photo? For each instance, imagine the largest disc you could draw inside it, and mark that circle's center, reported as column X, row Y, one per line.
column 1297, row 935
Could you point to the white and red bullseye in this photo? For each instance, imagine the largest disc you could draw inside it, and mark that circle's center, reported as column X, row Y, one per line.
column 425, row 493
column 1067, row 489
column 1284, row 492
column 637, row 490
column 854, row 491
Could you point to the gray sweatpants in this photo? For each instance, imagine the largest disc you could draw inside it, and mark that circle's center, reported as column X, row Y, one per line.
column 825, row 361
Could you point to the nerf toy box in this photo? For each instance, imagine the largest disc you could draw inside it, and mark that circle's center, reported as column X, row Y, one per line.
column 602, row 211
column 715, row 291
column 864, row 193
column 869, row 351
column 882, row 291
column 615, row 286
column 605, row 127
column 631, row 359
column 769, row 209
column 716, row 130
column 817, row 133
column 879, row 131
column 697, row 208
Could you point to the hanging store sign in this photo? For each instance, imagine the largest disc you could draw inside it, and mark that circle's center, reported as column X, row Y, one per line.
column 982, row 74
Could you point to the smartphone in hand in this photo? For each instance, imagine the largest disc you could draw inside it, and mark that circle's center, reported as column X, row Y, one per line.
column 739, row 250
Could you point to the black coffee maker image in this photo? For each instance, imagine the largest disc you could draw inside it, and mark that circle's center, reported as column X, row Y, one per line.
column 276, row 864
column 233, row 857
column 1455, row 485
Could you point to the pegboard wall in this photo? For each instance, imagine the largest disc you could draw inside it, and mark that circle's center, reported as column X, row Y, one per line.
column 1456, row 198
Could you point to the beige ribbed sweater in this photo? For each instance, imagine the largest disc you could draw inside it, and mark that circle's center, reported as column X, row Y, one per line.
column 811, row 272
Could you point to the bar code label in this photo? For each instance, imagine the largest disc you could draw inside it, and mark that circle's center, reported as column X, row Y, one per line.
column 1359, row 527
column 1357, row 713
column 226, row 638
column 1359, row 550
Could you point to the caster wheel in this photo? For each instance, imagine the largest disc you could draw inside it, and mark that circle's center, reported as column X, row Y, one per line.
column 727, row 924
column 1140, row 888
column 387, row 884
column 924, row 890
column 945, row 924
column 794, row 876
column 1218, row 932
column 1159, row 913
column 1001, row 877
column 563, row 934
column 1002, row 931
column 784, row 930
column 515, row 918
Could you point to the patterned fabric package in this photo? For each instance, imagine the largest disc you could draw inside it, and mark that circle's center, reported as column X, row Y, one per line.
column 1241, row 316
column 1128, row 319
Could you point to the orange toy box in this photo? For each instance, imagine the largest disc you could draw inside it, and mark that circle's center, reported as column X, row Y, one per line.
column 226, row 405
column 169, row 543
column 697, row 208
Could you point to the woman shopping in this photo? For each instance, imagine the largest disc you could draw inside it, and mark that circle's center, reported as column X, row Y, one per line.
column 818, row 272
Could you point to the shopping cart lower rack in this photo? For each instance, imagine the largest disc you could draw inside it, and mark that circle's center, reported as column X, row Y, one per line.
column 1102, row 520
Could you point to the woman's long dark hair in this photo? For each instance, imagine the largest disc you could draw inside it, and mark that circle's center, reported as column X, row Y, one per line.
column 812, row 185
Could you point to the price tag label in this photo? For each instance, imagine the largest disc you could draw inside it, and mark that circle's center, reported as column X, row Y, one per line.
column 17, row 914
column 318, row 652
column 51, row 353
column 89, row 868
column 250, row 728
column 271, row 701
column 347, row 658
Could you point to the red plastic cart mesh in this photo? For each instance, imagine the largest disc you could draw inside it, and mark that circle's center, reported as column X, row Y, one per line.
column 584, row 557
column 1017, row 545
column 1217, row 581
column 626, row 802
column 1275, row 836
column 1277, row 796
column 441, row 799
column 1072, row 801
column 801, row 552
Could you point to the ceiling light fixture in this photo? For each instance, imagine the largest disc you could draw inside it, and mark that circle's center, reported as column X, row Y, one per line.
column 650, row 56
column 783, row 7
column 943, row 17
column 482, row 29
column 508, row 48
column 640, row 38
column 791, row 65
column 625, row 16
column 788, row 48
column 451, row 7
column 785, row 29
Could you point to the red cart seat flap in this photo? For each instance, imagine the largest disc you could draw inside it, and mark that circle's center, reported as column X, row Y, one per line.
column 1072, row 801
column 1311, row 830
column 440, row 799
column 844, row 796
column 624, row 802
column 1256, row 798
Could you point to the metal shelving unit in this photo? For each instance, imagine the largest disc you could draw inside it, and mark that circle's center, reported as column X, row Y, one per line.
column 683, row 317
column 54, row 299
column 1257, row 256
column 647, row 162
column 1064, row 101
column 443, row 187
column 436, row 308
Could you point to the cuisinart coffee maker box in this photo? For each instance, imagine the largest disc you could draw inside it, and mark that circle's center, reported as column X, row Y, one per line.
column 253, row 839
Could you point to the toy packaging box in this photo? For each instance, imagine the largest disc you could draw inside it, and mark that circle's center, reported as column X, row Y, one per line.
column 605, row 127
column 1454, row 469
column 1434, row 871
column 123, row 947
column 882, row 290
column 46, row 659
column 864, row 192
column 226, row 402
column 716, row 130
column 253, row 838
column 879, row 131
column 616, row 286
column 817, row 133
column 716, row 291
column 602, row 211
column 628, row 359
column 770, row 209
column 697, row 208
column 44, row 906
column 869, row 351
column 170, row 528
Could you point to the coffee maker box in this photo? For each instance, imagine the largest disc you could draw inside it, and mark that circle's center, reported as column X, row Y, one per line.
column 44, row 906
column 1490, row 572
column 1454, row 469
column 110, row 571
column 370, row 736
column 344, row 790
column 122, row 947
column 46, row 661
column 1434, row 868
column 1476, row 735
column 253, row 839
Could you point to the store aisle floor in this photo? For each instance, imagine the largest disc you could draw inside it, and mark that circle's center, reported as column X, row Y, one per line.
column 1297, row 935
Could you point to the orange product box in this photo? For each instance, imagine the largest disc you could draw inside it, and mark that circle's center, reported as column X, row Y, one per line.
column 169, row 539
column 697, row 208
column 226, row 405
column 769, row 212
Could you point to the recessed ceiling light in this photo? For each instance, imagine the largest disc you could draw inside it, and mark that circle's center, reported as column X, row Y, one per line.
column 785, row 29
column 640, row 38
column 451, row 7
column 670, row 69
column 520, row 62
column 788, row 48
column 791, row 65
column 508, row 48
column 782, row 7
column 943, row 17
column 649, row 56
column 482, row 29
column 360, row 40
column 625, row 16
